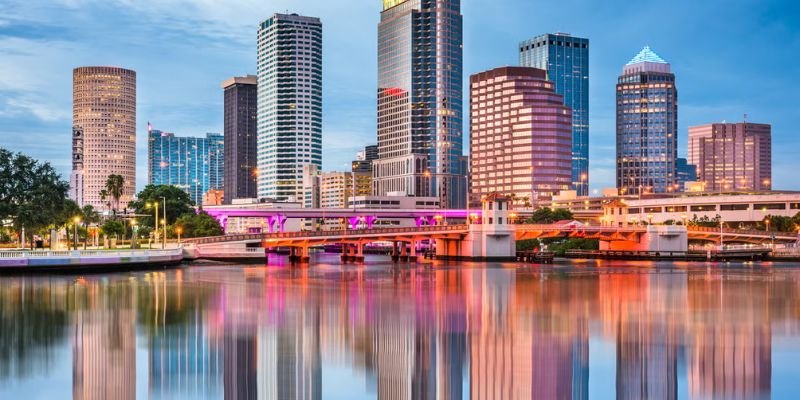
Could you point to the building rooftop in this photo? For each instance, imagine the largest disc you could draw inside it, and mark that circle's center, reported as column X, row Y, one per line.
column 646, row 55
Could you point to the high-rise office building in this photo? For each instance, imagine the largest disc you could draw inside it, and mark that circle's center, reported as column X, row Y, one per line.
column 647, row 126
column 194, row 164
column 566, row 60
column 364, row 159
column 104, row 132
column 420, row 111
column 732, row 156
column 520, row 135
column 289, row 103
column 241, row 109
column 684, row 172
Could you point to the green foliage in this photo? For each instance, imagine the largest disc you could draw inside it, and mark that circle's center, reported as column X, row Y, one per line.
column 562, row 247
column 115, row 185
column 527, row 244
column 31, row 193
column 198, row 225
column 705, row 221
column 549, row 216
column 178, row 203
column 114, row 228
column 782, row 224
column 90, row 215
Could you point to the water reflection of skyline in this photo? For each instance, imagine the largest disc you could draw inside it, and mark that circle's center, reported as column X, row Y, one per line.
column 256, row 333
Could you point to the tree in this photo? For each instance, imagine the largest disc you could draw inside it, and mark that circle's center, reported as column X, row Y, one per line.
column 31, row 193
column 114, row 228
column 178, row 203
column 104, row 197
column 90, row 215
column 65, row 217
column 549, row 216
column 705, row 221
column 115, row 187
column 198, row 225
column 782, row 224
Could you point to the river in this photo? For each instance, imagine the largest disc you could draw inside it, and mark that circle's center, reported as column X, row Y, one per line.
column 572, row 330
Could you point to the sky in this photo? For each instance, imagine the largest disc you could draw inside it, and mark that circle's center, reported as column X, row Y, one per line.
column 730, row 57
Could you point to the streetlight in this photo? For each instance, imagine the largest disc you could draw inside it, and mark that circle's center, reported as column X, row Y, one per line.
column 164, row 229
column 154, row 205
column 76, row 221
column 164, row 202
column 178, row 230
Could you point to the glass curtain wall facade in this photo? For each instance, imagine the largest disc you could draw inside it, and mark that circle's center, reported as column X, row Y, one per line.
column 240, row 98
column 566, row 60
column 194, row 164
column 289, row 103
column 420, row 111
column 647, row 126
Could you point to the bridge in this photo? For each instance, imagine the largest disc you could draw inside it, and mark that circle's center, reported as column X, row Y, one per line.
column 451, row 240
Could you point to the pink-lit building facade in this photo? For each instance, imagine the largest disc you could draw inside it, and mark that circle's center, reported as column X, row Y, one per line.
column 732, row 156
column 520, row 135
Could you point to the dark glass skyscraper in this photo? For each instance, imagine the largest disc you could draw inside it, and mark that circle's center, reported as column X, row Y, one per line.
column 647, row 126
column 566, row 60
column 240, row 138
column 194, row 164
column 420, row 87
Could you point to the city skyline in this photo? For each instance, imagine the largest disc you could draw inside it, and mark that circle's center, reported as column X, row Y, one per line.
column 37, row 99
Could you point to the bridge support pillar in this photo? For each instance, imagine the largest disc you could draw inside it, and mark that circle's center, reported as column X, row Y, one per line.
column 403, row 252
column 413, row 249
column 359, row 256
column 345, row 252
column 305, row 256
column 395, row 254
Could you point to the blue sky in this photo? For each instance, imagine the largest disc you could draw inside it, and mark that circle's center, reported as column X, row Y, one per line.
column 730, row 57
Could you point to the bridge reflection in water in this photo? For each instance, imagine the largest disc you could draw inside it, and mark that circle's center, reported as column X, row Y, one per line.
column 405, row 333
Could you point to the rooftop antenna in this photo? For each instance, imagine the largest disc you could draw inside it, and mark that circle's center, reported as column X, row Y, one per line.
column 745, row 118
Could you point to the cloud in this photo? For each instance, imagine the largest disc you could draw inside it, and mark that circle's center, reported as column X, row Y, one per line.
column 37, row 108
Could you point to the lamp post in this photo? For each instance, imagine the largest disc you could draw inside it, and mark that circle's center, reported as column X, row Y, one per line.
column 164, row 202
column 76, row 221
column 155, row 221
column 721, row 238
column 178, row 230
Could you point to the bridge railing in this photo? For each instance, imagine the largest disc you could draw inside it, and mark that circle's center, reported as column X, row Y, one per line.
column 317, row 234
column 747, row 232
column 87, row 253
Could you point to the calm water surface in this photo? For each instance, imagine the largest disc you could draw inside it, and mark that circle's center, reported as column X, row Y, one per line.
column 582, row 330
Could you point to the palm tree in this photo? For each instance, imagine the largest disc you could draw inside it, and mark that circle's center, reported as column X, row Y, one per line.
column 115, row 187
column 90, row 216
column 104, row 197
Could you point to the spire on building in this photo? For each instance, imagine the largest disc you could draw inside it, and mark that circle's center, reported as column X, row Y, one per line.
column 647, row 55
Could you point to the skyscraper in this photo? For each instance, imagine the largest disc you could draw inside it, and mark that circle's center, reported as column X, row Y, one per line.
column 364, row 159
column 566, row 60
column 734, row 156
column 647, row 126
column 420, row 87
column 104, row 132
column 520, row 135
column 289, row 103
column 240, row 137
column 193, row 164
column 684, row 172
